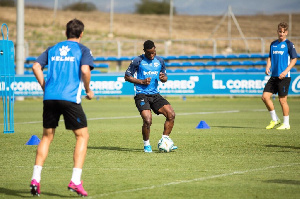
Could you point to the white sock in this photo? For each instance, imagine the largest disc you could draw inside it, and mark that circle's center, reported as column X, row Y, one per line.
column 273, row 115
column 37, row 170
column 165, row 136
column 146, row 143
column 76, row 176
column 286, row 120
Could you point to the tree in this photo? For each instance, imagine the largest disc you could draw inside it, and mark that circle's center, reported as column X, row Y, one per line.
column 153, row 7
column 7, row 3
column 80, row 6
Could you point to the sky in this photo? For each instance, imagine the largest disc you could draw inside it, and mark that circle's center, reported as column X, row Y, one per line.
column 192, row 7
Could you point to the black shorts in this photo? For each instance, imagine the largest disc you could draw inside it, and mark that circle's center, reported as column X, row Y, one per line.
column 276, row 85
column 148, row 102
column 73, row 114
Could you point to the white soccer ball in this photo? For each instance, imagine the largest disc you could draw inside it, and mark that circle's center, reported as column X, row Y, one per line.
column 165, row 145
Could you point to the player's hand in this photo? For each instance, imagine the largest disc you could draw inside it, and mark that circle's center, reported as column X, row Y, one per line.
column 267, row 72
column 147, row 81
column 282, row 75
column 89, row 94
column 162, row 77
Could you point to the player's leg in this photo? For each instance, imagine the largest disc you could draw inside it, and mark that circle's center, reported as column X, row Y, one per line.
column 169, row 114
column 147, row 122
column 43, row 147
column 162, row 106
column 143, row 106
column 266, row 98
column 269, row 90
column 283, row 93
column 82, row 137
column 51, row 114
column 76, row 121
column 284, row 105
column 41, row 155
column 285, row 111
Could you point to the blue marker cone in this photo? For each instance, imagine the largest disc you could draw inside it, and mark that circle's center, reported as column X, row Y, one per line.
column 202, row 125
column 34, row 140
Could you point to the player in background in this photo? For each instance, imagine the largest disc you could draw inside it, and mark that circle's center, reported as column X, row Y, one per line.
column 150, row 69
column 69, row 70
column 282, row 58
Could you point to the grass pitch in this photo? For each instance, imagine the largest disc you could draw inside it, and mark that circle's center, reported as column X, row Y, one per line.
column 235, row 158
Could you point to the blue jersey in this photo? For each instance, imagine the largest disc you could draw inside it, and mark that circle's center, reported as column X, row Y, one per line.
column 280, row 54
column 144, row 68
column 64, row 60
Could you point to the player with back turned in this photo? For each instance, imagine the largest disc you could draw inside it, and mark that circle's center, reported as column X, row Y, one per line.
column 145, row 71
column 69, row 70
column 282, row 58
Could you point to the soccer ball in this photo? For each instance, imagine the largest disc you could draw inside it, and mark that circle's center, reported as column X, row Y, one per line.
column 165, row 145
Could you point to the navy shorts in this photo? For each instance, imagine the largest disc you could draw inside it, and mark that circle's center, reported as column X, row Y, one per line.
column 73, row 114
column 148, row 102
column 276, row 85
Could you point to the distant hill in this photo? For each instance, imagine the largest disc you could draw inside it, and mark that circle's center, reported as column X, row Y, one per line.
column 40, row 25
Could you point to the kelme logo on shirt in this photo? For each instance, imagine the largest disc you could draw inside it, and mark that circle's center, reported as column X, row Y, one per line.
column 63, row 55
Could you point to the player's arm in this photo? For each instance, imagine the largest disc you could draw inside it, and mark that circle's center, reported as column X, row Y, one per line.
column 162, row 75
column 86, row 78
column 268, row 67
column 137, row 81
column 290, row 66
column 132, row 68
column 38, row 73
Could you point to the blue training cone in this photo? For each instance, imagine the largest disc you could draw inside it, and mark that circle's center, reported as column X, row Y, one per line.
column 202, row 125
column 34, row 140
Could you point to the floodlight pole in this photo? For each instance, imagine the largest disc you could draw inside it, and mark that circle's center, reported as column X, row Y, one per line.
column 20, row 54
column 290, row 25
column 54, row 10
column 111, row 34
column 229, row 14
column 229, row 26
column 171, row 19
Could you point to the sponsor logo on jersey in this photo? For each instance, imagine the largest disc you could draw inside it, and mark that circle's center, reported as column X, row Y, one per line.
column 63, row 55
column 276, row 52
column 150, row 73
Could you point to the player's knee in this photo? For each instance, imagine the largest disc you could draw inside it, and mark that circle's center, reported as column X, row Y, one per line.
column 147, row 122
column 282, row 101
column 171, row 116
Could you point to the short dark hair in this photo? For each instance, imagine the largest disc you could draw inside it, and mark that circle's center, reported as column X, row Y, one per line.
column 148, row 45
column 74, row 28
column 283, row 25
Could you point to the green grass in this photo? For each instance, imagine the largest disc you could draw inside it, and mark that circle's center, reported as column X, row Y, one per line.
column 235, row 158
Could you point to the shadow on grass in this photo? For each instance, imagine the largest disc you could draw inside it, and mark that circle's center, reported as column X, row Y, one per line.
column 281, row 181
column 26, row 193
column 115, row 148
column 286, row 147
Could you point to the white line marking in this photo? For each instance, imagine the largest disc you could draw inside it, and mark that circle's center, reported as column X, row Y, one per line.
column 135, row 116
column 138, row 116
column 192, row 180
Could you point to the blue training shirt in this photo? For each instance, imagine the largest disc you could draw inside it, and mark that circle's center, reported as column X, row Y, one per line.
column 144, row 68
column 280, row 54
column 64, row 60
